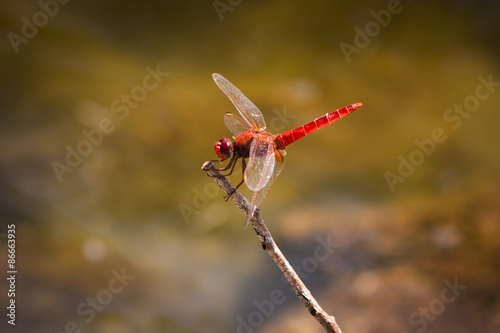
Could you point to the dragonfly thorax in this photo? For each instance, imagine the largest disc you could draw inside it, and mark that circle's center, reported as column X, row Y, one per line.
column 243, row 141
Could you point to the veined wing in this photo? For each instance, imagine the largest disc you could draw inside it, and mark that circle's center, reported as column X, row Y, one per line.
column 235, row 124
column 262, row 169
column 259, row 196
column 260, row 163
column 248, row 111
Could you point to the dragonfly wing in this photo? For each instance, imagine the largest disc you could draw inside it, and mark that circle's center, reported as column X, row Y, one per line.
column 235, row 124
column 248, row 111
column 259, row 196
column 263, row 168
column 260, row 164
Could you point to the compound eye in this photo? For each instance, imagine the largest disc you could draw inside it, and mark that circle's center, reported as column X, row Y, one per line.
column 224, row 148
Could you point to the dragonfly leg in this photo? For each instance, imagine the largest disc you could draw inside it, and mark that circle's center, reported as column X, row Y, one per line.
column 230, row 165
column 243, row 167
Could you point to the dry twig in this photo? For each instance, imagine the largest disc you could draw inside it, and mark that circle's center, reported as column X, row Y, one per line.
column 328, row 322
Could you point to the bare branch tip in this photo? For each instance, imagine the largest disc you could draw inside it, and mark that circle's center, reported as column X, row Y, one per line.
column 207, row 166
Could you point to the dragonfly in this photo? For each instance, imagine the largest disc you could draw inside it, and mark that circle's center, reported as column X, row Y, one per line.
column 265, row 152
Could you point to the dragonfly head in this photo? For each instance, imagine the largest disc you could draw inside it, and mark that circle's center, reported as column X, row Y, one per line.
column 224, row 148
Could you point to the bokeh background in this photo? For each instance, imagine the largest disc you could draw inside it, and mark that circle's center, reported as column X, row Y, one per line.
column 139, row 206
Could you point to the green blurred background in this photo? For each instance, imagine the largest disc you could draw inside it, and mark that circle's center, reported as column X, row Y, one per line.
column 139, row 204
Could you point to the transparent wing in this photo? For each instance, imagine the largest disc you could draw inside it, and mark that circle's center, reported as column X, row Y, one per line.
column 260, row 163
column 235, row 124
column 248, row 111
column 259, row 196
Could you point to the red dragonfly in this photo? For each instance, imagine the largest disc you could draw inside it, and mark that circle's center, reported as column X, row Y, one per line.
column 264, row 151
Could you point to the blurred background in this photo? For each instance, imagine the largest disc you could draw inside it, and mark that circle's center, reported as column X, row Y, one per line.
column 391, row 215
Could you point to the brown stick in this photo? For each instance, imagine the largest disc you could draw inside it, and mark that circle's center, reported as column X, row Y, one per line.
column 328, row 322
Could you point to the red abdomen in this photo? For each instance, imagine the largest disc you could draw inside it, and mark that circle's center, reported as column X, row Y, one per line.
column 284, row 139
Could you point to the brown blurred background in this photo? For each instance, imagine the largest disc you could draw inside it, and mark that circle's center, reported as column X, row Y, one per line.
column 134, row 237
